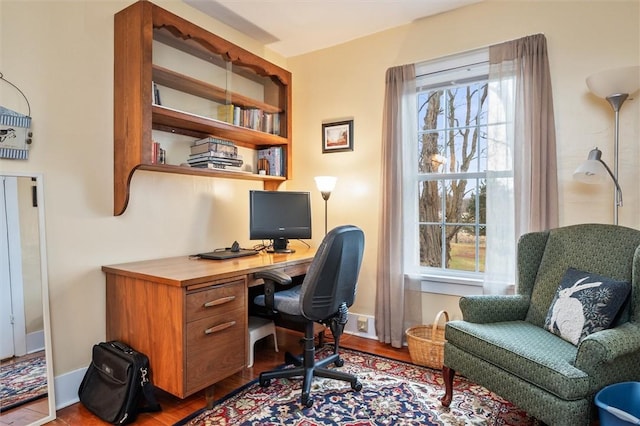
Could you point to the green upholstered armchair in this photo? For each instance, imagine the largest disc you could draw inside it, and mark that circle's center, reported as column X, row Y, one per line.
column 503, row 345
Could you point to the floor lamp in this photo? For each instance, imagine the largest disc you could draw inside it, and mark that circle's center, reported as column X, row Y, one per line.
column 325, row 185
column 615, row 86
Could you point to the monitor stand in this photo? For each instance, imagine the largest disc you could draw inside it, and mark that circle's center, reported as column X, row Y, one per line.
column 280, row 246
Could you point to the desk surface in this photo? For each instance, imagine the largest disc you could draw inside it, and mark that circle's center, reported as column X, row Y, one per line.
column 184, row 271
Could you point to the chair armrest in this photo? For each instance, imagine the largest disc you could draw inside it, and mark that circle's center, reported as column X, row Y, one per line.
column 494, row 308
column 271, row 278
column 607, row 345
column 274, row 275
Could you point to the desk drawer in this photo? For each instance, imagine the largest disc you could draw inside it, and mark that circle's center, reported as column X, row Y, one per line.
column 215, row 300
column 216, row 348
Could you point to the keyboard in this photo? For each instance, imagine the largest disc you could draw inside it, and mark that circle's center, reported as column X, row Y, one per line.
column 227, row 254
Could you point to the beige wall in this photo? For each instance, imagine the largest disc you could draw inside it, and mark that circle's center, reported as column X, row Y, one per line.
column 348, row 81
column 61, row 55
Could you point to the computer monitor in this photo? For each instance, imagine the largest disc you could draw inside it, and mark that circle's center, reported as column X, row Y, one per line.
column 279, row 216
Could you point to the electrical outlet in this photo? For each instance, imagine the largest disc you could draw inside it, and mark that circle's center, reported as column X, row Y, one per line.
column 363, row 325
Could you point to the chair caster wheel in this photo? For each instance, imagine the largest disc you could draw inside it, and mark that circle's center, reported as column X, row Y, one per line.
column 264, row 382
column 357, row 386
column 306, row 401
column 339, row 362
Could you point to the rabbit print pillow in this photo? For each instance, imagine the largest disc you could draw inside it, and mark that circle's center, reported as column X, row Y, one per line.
column 585, row 303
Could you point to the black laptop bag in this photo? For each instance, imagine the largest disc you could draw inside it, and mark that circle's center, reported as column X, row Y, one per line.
column 117, row 385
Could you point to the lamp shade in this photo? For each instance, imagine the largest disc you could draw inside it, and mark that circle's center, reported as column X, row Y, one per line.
column 615, row 81
column 591, row 171
column 326, row 183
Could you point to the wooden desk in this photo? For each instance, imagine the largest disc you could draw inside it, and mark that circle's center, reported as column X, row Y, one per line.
column 189, row 316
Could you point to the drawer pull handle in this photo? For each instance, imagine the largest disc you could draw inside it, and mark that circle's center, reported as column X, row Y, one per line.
column 219, row 327
column 220, row 301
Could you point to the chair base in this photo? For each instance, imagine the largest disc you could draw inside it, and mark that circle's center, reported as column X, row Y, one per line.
column 307, row 368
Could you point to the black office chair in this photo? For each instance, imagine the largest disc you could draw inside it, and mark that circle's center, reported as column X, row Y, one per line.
column 324, row 296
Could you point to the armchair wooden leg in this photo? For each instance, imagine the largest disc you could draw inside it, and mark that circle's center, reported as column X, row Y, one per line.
column 447, row 375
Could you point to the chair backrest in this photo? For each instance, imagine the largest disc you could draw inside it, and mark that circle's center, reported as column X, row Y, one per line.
column 543, row 259
column 333, row 274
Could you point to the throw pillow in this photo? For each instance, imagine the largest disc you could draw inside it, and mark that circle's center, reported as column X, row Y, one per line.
column 585, row 303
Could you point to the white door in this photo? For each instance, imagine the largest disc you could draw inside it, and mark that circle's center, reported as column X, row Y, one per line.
column 12, row 321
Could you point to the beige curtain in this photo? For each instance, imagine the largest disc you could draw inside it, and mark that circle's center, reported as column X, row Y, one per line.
column 520, row 87
column 399, row 106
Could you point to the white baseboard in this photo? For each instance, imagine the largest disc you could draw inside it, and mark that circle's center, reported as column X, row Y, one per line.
column 66, row 387
column 35, row 341
column 352, row 326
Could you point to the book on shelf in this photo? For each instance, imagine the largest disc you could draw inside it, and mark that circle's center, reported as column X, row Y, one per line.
column 215, row 162
column 275, row 156
column 237, row 111
column 214, row 154
column 276, row 124
column 212, row 144
column 217, row 159
column 155, row 152
column 155, row 93
column 225, row 113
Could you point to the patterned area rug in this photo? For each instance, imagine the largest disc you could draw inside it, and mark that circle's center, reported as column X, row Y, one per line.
column 22, row 382
column 394, row 393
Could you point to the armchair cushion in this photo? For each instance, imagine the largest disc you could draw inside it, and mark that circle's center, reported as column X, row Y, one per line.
column 585, row 303
column 525, row 351
column 494, row 308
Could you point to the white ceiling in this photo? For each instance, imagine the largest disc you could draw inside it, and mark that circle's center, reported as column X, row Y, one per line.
column 294, row 27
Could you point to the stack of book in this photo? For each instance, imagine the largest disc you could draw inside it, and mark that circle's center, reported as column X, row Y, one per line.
column 276, row 158
column 214, row 153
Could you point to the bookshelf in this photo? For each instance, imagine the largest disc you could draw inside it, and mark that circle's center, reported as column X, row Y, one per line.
column 196, row 74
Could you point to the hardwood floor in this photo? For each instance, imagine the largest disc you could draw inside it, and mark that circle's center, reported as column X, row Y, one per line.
column 265, row 358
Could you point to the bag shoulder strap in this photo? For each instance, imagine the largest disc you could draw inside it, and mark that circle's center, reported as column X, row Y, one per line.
column 148, row 390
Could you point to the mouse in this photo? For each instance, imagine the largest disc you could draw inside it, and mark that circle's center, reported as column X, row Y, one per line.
column 235, row 247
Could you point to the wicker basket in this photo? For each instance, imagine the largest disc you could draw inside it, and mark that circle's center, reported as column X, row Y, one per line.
column 426, row 342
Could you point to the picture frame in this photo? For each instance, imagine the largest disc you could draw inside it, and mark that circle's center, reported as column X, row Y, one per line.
column 337, row 136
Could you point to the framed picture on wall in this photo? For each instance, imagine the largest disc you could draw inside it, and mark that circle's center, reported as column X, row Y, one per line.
column 337, row 136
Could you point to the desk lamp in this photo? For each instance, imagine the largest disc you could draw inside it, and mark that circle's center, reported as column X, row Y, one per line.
column 325, row 185
column 615, row 86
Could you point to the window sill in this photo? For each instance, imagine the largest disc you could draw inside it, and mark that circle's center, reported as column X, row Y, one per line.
column 448, row 285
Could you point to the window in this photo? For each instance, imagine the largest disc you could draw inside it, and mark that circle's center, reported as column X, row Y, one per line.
column 447, row 170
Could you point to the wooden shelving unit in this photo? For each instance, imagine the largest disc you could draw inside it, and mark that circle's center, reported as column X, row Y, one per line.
column 135, row 116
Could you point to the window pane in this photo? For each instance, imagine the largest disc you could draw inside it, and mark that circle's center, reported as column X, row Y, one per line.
column 466, row 248
column 430, row 110
column 458, row 193
column 430, row 202
column 430, row 147
column 430, row 246
column 461, row 248
column 482, row 247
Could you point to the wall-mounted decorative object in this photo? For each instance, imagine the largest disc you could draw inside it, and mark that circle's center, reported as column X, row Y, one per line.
column 15, row 130
column 337, row 136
